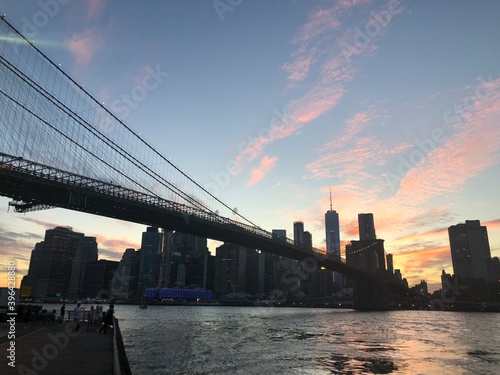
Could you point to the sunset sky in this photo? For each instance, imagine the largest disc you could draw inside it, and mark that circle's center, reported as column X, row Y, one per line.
column 393, row 105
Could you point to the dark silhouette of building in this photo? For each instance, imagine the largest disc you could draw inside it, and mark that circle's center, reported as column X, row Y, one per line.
column 307, row 237
column 470, row 251
column 124, row 282
column 366, row 226
column 421, row 288
column 495, row 268
column 390, row 264
column 188, row 261
column 85, row 253
column 149, row 264
column 279, row 234
column 98, row 278
column 298, row 233
column 332, row 233
column 230, row 268
column 322, row 283
column 34, row 268
column 59, row 250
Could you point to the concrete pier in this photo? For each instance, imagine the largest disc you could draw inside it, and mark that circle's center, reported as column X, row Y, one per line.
column 53, row 349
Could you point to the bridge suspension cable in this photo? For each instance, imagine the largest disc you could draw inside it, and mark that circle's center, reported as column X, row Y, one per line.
column 47, row 116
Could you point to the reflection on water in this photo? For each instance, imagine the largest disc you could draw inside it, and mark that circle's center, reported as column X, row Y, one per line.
column 257, row 340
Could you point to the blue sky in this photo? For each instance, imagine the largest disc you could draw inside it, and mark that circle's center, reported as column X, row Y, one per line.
column 393, row 105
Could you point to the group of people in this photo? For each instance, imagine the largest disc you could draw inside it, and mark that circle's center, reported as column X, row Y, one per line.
column 95, row 317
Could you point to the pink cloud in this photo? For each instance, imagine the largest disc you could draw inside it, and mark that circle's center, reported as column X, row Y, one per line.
column 84, row 46
column 266, row 164
column 462, row 156
column 95, row 8
column 330, row 86
column 299, row 69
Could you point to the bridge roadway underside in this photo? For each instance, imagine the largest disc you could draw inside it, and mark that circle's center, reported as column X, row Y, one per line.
column 28, row 188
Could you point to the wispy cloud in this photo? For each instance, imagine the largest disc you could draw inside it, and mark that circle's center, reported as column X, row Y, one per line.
column 266, row 164
column 464, row 155
column 352, row 154
column 84, row 45
column 318, row 47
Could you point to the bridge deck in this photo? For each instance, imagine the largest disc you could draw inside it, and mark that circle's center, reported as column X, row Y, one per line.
column 53, row 349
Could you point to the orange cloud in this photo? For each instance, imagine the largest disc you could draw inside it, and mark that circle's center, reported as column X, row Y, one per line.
column 266, row 164
column 84, row 46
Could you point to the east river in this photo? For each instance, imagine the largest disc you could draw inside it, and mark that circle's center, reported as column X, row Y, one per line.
column 263, row 340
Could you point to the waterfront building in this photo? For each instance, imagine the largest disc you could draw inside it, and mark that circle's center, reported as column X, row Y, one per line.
column 34, row 268
column 470, row 251
column 86, row 253
column 271, row 269
column 366, row 226
column 124, row 281
column 149, row 264
column 59, row 250
column 188, row 261
column 98, row 278
column 230, row 269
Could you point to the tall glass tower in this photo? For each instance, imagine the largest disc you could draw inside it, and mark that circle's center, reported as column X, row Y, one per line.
column 332, row 231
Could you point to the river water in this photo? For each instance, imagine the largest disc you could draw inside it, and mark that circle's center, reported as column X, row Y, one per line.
column 259, row 340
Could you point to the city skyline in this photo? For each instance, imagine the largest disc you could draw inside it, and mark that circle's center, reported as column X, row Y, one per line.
column 298, row 97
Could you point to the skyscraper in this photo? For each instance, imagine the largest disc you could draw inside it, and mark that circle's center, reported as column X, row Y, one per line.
column 59, row 250
column 390, row 264
column 124, row 282
column 470, row 250
column 298, row 233
column 149, row 264
column 86, row 253
column 308, row 242
column 98, row 278
column 190, row 253
column 34, row 267
column 366, row 227
column 230, row 269
column 332, row 232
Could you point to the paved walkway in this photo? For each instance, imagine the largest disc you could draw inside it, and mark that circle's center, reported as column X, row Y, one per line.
column 53, row 349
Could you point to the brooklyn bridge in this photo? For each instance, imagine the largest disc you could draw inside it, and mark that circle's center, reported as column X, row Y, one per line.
column 60, row 147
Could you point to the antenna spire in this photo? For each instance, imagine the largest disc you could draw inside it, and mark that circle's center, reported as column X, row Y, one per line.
column 331, row 209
